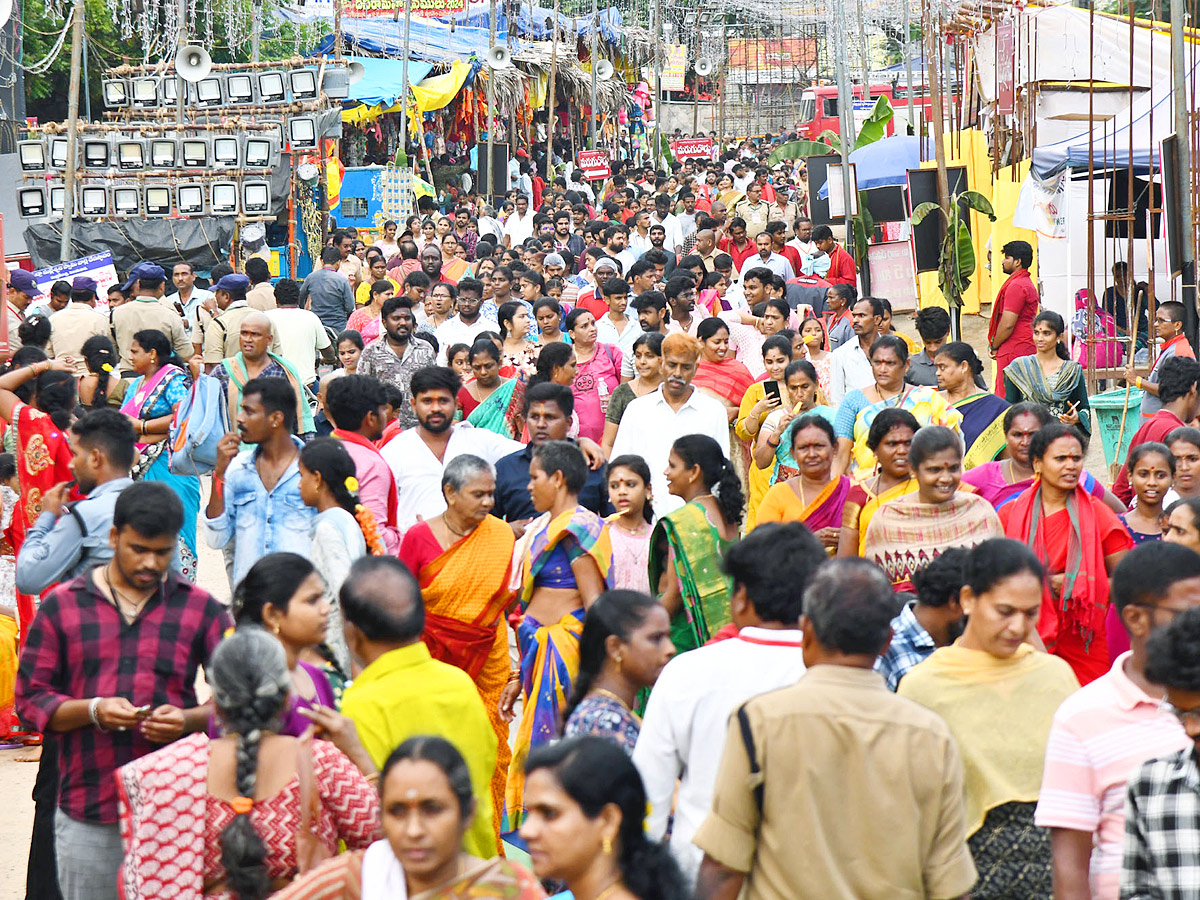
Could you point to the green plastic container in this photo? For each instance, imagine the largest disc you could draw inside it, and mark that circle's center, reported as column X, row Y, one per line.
column 1110, row 409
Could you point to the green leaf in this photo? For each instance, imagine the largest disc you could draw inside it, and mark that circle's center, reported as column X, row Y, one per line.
column 977, row 202
column 875, row 126
column 919, row 214
column 798, row 150
column 965, row 252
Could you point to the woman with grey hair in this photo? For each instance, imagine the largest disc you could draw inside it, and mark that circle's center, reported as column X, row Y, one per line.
column 241, row 815
column 463, row 560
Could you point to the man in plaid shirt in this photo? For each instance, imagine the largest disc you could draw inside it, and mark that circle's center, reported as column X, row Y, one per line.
column 1162, row 803
column 109, row 666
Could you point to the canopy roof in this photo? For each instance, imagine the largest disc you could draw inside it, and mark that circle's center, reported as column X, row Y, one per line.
column 383, row 79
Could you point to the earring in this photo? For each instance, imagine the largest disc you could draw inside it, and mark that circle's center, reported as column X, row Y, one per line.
column 606, row 845
column 275, row 631
column 618, row 664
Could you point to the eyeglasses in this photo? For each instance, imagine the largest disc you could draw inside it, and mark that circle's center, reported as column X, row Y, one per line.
column 1186, row 717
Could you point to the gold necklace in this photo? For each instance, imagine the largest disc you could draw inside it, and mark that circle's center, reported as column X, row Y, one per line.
column 608, row 890
column 607, row 693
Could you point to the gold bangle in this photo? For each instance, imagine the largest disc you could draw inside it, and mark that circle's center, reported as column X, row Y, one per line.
column 1137, row 383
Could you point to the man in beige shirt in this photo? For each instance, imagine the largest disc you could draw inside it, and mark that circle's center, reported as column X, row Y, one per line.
column 755, row 210
column 71, row 327
column 835, row 788
column 350, row 266
column 145, row 309
column 261, row 295
column 22, row 288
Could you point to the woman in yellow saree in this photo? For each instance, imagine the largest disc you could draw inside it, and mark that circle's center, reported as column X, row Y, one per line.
column 890, row 438
column 566, row 557
column 462, row 560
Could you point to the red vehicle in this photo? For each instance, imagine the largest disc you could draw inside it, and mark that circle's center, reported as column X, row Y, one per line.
column 819, row 107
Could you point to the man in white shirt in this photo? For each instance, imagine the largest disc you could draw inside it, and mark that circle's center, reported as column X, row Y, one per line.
column 419, row 455
column 803, row 241
column 619, row 326
column 767, row 258
column 689, row 709
column 662, row 216
column 653, row 423
column 187, row 296
column 519, row 227
column 850, row 364
column 467, row 325
column 300, row 333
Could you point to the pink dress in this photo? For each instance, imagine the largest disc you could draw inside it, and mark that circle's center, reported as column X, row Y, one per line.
column 595, row 382
column 631, row 556
column 366, row 323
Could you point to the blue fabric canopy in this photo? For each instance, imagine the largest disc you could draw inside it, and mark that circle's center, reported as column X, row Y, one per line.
column 428, row 39
column 885, row 163
column 532, row 25
column 384, row 79
column 1110, row 140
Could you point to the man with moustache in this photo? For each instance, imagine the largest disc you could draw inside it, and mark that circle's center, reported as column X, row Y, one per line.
column 419, row 455
column 394, row 356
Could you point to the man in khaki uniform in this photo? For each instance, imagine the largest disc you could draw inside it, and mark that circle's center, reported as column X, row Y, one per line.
column 222, row 337
column 145, row 310
column 71, row 326
column 755, row 210
column 261, row 295
column 21, row 290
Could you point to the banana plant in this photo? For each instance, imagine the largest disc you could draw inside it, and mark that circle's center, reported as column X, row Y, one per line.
column 956, row 262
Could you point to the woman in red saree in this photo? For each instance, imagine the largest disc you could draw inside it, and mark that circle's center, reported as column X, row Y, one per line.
column 462, row 560
column 1079, row 540
column 42, row 447
column 813, row 496
column 727, row 380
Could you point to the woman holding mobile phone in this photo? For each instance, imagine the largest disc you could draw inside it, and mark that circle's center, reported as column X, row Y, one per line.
column 759, row 401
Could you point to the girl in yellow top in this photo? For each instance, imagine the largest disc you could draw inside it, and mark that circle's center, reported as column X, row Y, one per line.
column 999, row 694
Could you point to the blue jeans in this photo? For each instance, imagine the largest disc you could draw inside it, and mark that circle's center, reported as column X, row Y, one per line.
column 89, row 858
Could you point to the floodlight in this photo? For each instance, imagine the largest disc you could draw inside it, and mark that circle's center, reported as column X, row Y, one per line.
column 195, row 153
column 189, row 198
column 224, row 198
column 116, row 92
column 164, row 153
column 256, row 198
column 58, row 153
column 336, row 82
column 96, row 154
column 271, row 88
column 239, row 89
column 145, row 92
column 126, row 201
column 272, row 128
column 226, row 151
column 259, row 153
column 302, row 132
column 158, row 200
column 131, row 155
column 170, row 90
column 93, row 201
column 31, row 201
column 209, row 92
column 32, row 154
column 58, row 198
column 303, row 84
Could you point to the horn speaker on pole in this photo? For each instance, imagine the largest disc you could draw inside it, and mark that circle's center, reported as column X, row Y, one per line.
column 604, row 70
column 193, row 63
column 499, row 58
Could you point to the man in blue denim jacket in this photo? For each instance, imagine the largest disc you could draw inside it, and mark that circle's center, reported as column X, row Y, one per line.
column 255, row 501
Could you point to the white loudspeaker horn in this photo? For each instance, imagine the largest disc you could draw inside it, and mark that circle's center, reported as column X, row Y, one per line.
column 357, row 71
column 499, row 58
column 193, row 63
column 6, row 9
column 604, row 70
column 704, row 67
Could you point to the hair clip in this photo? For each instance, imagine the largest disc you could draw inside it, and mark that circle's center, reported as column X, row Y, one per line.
column 242, row 805
column 351, row 484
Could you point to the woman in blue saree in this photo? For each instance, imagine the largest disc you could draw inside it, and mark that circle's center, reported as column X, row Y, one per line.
column 982, row 412
column 150, row 401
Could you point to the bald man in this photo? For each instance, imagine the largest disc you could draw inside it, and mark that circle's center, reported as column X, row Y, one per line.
column 403, row 691
column 706, row 248
column 257, row 358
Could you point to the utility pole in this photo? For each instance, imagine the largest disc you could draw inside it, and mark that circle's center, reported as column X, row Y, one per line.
column 404, row 82
column 255, row 32
column 1183, row 187
column 64, row 251
column 489, row 190
column 658, row 37
column 908, row 83
column 593, row 123
column 846, row 115
column 551, row 99
column 933, row 34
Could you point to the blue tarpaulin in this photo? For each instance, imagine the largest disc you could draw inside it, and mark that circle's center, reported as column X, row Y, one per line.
column 428, row 39
column 885, row 163
column 382, row 83
column 532, row 25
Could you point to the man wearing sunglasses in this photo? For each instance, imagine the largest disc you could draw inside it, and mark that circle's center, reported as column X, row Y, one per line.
column 1104, row 731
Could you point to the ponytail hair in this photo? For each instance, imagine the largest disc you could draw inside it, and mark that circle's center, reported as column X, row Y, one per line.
column 594, row 772
column 1058, row 326
column 249, row 677
column 717, row 471
column 101, row 358
column 329, row 458
column 153, row 339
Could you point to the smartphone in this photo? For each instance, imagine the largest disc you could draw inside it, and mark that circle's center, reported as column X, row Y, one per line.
column 771, row 389
column 142, row 711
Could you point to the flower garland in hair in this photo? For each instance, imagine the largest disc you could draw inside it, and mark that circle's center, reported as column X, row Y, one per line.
column 366, row 520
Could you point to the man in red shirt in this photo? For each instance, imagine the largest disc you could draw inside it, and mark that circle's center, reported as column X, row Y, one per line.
column 1011, row 331
column 1179, row 390
column 737, row 245
column 841, row 264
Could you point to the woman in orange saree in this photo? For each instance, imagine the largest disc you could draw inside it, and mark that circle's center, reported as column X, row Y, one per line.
column 462, row 560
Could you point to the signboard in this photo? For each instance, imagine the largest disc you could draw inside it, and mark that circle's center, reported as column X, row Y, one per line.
column 892, row 275
column 98, row 266
column 424, row 9
column 674, row 68
column 1006, row 76
column 772, row 55
column 594, row 164
column 692, row 148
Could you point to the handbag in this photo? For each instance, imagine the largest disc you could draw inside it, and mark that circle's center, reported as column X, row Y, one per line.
column 200, row 421
column 310, row 850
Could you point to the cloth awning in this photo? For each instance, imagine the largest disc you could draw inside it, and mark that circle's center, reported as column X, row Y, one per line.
column 428, row 39
column 384, row 79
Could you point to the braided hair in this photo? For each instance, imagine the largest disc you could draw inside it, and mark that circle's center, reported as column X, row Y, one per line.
column 329, row 458
column 717, row 471
column 249, row 677
column 98, row 351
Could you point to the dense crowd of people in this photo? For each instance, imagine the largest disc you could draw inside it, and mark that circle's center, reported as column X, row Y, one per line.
column 608, row 542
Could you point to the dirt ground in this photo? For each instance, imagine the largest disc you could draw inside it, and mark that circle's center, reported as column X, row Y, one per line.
column 17, row 778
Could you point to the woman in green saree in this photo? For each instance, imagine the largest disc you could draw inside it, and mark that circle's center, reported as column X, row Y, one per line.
column 687, row 545
column 1049, row 377
column 490, row 401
